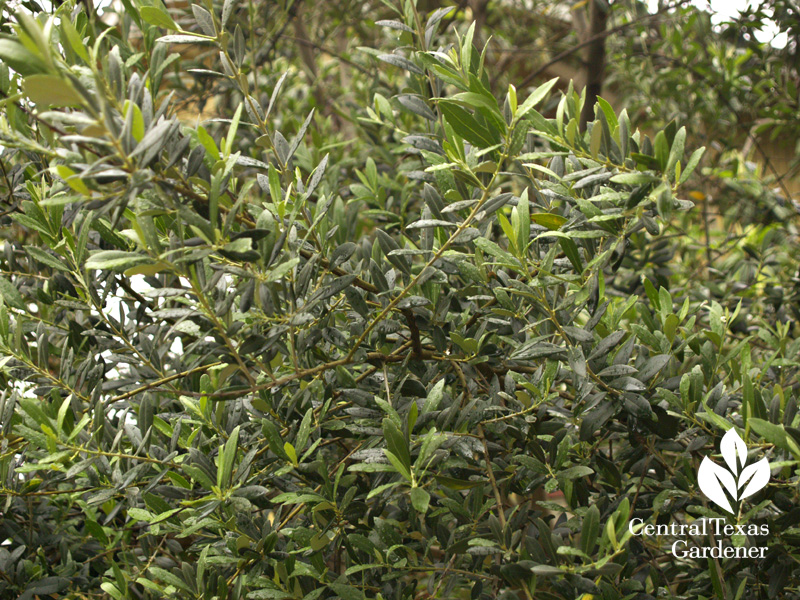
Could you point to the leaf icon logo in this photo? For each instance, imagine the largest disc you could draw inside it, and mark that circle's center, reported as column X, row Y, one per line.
column 714, row 480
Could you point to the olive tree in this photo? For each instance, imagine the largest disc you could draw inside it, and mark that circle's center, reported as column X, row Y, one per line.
column 269, row 356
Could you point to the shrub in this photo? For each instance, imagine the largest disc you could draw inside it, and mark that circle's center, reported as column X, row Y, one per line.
column 247, row 360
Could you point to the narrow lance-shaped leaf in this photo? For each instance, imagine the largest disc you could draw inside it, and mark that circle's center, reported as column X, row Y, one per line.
column 227, row 456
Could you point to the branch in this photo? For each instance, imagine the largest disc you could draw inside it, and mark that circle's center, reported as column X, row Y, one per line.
column 160, row 382
column 414, row 329
column 326, row 50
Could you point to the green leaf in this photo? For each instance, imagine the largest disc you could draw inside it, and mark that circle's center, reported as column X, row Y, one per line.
column 662, row 149
column 398, row 464
column 596, row 140
column 676, row 152
column 413, row 414
column 575, row 472
column 475, row 100
column 227, row 9
column 456, row 484
column 50, row 90
column 346, row 592
column 552, row 221
column 10, row 294
column 139, row 514
column 382, row 488
column 158, row 17
column 653, row 365
column 46, row 259
column 112, row 590
column 199, row 475
column 608, row 111
column 570, row 249
column 434, row 397
column 396, row 443
column 417, row 106
column 633, row 178
column 227, row 456
column 774, row 434
column 74, row 39
column 279, row 272
column 31, row 407
column 522, row 219
column 228, row 146
column 400, row 61
column 184, row 39
column 305, row 430
column 510, row 232
column 420, row 499
column 72, row 180
column 467, row 126
column 290, row 452
column 19, row 58
column 117, row 260
column 539, row 94
column 493, row 249
column 691, row 164
column 274, row 439
column 714, row 570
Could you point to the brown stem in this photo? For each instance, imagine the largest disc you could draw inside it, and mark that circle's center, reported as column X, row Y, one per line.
column 498, row 498
column 416, row 343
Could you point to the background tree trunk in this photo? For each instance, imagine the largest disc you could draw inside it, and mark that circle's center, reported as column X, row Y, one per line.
column 594, row 57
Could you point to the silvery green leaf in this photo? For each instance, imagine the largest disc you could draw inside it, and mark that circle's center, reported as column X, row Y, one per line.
column 238, row 46
column 434, row 20
column 400, row 61
column 183, row 39
column 427, row 223
column 466, row 235
column 342, row 254
column 629, row 384
column 246, row 161
column 617, row 371
column 537, row 350
column 391, row 24
column 606, row 344
column 653, row 365
column 417, row 106
column 227, row 10
column 316, row 177
column 413, row 301
column 204, row 19
column 115, row 259
column 281, row 147
column 591, row 180
column 424, row 143
column 275, row 91
column 300, row 135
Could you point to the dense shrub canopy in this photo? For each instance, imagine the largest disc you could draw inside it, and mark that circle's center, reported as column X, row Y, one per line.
column 300, row 347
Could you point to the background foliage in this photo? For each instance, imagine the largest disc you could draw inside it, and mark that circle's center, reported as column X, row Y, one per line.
column 310, row 301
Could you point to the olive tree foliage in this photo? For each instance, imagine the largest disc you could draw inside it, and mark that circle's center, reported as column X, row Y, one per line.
column 245, row 361
column 740, row 92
